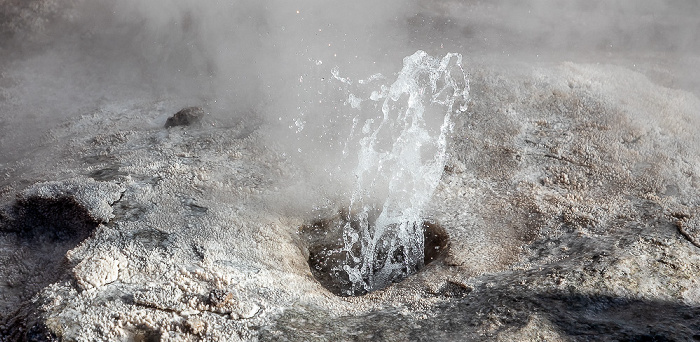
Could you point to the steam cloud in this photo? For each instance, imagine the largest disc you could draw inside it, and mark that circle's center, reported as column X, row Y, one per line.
column 241, row 54
column 272, row 59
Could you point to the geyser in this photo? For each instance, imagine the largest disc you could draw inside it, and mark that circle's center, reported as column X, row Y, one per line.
column 327, row 254
column 400, row 159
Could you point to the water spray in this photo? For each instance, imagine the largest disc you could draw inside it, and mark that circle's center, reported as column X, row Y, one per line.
column 400, row 160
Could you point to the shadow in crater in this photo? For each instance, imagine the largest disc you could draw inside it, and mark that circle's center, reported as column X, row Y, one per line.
column 35, row 234
column 328, row 255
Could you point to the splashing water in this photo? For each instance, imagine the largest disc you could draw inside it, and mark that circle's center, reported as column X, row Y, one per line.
column 400, row 162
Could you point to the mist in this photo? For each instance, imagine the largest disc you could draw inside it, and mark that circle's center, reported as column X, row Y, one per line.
column 271, row 62
column 543, row 155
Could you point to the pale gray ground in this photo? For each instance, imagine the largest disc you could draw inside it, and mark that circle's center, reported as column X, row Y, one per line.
column 571, row 199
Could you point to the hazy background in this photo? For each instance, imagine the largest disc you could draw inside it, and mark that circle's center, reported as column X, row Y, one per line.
column 271, row 60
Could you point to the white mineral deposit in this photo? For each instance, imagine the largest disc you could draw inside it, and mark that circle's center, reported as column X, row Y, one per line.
column 399, row 170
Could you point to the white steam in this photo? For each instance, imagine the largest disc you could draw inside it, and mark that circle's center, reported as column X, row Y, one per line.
column 272, row 61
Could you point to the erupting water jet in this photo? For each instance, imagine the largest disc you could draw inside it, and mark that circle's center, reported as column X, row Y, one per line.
column 400, row 161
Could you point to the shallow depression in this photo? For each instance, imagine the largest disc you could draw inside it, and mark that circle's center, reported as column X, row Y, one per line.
column 328, row 255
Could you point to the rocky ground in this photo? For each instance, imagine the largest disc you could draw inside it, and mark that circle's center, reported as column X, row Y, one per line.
column 570, row 203
column 569, row 200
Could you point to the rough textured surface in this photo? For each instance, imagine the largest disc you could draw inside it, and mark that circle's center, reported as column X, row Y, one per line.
column 570, row 197
column 94, row 197
column 570, row 201
column 99, row 270
column 37, row 231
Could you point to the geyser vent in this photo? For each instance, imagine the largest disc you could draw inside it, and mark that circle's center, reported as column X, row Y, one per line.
column 328, row 257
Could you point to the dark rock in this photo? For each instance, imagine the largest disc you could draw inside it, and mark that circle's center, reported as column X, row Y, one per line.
column 218, row 297
column 185, row 117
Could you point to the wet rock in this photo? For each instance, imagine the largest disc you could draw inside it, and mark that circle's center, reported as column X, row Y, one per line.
column 186, row 117
column 327, row 256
